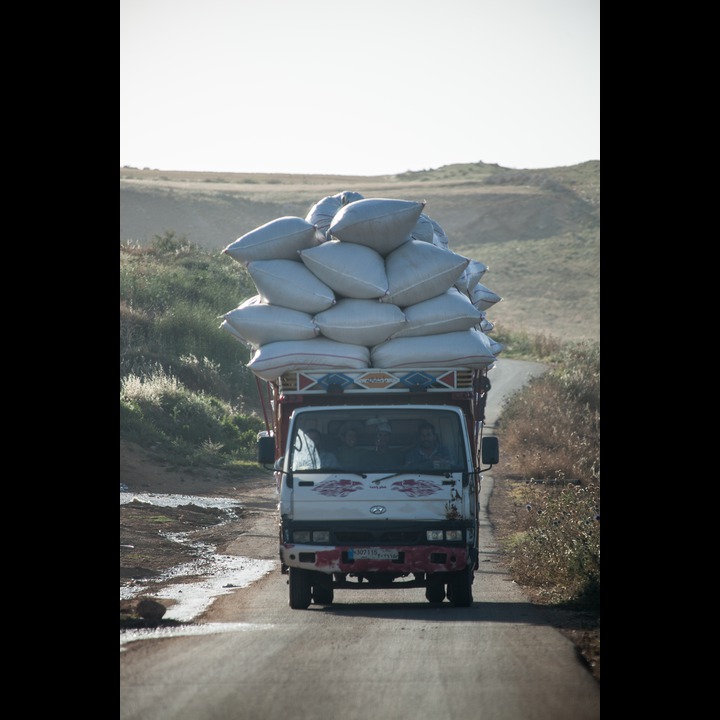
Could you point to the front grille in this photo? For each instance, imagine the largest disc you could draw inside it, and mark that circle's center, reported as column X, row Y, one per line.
column 373, row 532
column 405, row 538
column 345, row 537
column 412, row 537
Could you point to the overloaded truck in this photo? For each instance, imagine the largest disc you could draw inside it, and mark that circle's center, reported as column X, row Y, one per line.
column 371, row 338
column 388, row 518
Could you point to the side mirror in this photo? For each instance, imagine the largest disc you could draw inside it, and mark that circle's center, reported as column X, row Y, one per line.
column 490, row 451
column 266, row 449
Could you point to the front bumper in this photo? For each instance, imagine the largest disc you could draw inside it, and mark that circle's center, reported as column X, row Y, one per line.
column 410, row 559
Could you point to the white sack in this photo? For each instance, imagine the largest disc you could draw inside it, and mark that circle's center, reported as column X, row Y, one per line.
column 363, row 322
column 423, row 229
column 483, row 297
column 281, row 238
column 471, row 277
column 351, row 270
column 382, row 224
column 290, row 284
column 485, row 325
column 495, row 347
column 272, row 360
column 321, row 214
column 225, row 325
column 464, row 349
column 449, row 312
column 439, row 237
column 417, row 271
column 260, row 323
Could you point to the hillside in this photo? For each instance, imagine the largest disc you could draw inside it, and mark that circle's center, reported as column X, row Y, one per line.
column 537, row 230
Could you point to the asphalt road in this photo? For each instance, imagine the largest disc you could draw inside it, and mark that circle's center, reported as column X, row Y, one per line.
column 379, row 654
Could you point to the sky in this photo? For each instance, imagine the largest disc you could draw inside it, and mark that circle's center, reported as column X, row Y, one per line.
column 369, row 88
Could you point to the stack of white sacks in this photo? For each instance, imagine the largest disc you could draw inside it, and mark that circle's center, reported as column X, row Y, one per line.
column 360, row 283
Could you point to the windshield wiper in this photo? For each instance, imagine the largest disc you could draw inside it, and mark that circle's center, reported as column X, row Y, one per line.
column 434, row 473
column 330, row 470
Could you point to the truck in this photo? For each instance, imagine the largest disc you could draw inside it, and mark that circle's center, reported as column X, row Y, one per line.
column 381, row 520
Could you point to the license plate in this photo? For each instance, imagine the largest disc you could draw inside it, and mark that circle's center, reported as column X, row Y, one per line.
column 373, row 554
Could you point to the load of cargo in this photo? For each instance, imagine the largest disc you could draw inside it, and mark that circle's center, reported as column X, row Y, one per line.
column 360, row 283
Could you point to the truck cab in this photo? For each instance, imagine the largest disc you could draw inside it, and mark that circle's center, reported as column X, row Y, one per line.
column 378, row 483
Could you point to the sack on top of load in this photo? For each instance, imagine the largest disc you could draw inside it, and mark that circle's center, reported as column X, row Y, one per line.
column 278, row 239
column 471, row 276
column 362, row 322
column 351, row 270
column 317, row 304
column 465, row 348
column 382, row 224
column 483, row 297
column 321, row 214
column 256, row 323
column 417, row 271
column 276, row 358
column 444, row 313
column 290, row 284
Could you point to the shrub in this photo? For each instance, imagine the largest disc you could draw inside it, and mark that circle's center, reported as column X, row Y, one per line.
column 550, row 433
column 171, row 296
column 186, row 425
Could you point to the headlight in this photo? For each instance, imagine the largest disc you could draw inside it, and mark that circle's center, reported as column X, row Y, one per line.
column 450, row 535
column 318, row 536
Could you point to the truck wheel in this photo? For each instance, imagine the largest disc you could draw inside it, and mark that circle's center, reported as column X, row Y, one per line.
column 460, row 588
column 300, row 588
column 435, row 592
column 322, row 595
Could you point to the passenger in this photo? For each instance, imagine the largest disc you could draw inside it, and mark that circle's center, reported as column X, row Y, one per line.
column 428, row 453
column 326, row 458
column 382, row 456
column 349, row 454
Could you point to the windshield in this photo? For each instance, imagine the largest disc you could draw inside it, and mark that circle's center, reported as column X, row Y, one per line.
column 410, row 439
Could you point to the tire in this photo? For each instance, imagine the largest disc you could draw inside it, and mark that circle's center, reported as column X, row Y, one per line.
column 300, row 588
column 460, row 588
column 322, row 594
column 435, row 592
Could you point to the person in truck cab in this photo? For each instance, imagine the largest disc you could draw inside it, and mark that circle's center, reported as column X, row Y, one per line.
column 382, row 456
column 348, row 453
column 428, row 453
column 326, row 457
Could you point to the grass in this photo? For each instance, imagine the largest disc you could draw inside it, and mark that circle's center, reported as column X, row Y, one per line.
column 182, row 379
column 185, row 426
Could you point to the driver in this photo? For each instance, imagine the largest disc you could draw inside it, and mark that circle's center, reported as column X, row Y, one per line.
column 428, row 452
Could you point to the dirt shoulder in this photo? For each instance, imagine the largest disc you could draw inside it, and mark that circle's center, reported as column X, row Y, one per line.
column 146, row 551
column 146, row 547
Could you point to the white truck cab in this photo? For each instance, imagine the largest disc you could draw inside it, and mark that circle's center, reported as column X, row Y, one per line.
column 378, row 484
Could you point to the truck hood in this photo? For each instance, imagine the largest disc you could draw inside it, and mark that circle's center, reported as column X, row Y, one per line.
column 376, row 496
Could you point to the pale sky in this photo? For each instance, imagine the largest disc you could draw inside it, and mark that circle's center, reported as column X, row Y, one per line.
column 373, row 87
